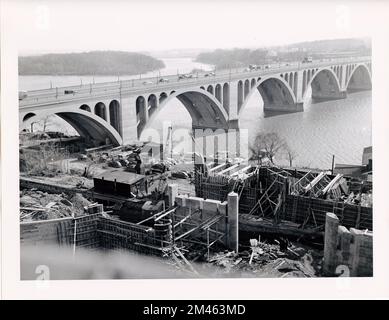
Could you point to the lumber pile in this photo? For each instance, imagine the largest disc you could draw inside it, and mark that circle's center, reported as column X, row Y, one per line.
column 37, row 205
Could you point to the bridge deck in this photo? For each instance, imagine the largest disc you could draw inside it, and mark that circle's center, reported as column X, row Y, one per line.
column 145, row 85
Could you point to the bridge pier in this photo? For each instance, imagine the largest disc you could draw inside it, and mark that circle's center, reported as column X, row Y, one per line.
column 319, row 96
column 287, row 108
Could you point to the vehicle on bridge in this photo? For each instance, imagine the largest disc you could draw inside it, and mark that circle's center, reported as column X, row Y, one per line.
column 254, row 67
column 209, row 74
column 147, row 82
column 307, row 60
column 186, row 76
column 67, row 91
column 163, row 80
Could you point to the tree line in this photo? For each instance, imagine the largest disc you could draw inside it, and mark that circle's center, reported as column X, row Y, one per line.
column 89, row 63
column 321, row 49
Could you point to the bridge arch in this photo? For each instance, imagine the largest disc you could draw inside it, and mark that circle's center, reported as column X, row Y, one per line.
column 115, row 115
column 95, row 130
column 324, row 84
column 226, row 96
column 240, row 94
column 205, row 110
column 275, row 92
column 162, row 97
column 246, row 88
column 359, row 78
column 218, row 92
column 100, row 110
column 141, row 114
column 152, row 104
column 210, row 89
column 85, row 107
column 28, row 116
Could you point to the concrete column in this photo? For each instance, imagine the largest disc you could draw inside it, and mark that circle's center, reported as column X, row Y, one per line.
column 344, row 238
column 343, row 78
column 107, row 115
column 361, row 255
column 146, row 110
column 233, row 221
column 128, row 119
column 172, row 192
column 299, row 87
column 233, row 112
column 330, row 244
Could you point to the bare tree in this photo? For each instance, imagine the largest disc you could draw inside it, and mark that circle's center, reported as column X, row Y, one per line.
column 46, row 121
column 290, row 154
column 266, row 145
column 256, row 153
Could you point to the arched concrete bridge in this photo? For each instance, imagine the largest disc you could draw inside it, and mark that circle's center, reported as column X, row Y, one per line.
column 118, row 112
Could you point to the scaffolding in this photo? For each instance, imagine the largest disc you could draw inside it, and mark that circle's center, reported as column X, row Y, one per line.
column 282, row 195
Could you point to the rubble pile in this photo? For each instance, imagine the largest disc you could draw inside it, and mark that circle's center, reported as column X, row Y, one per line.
column 37, row 205
column 268, row 260
column 363, row 199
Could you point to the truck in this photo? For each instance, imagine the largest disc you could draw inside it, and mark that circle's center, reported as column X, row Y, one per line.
column 307, row 60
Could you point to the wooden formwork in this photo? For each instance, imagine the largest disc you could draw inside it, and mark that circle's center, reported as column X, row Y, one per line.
column 82, row 232
column 310, row 211
column 213, row 186
column 95, row 232
column 120, row 235
column 265, row 186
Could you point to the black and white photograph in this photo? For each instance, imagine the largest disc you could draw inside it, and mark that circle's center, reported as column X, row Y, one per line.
column 183, row 140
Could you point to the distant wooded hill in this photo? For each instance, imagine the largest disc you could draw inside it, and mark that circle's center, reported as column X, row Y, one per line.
column 89, row 63
column 231, row 58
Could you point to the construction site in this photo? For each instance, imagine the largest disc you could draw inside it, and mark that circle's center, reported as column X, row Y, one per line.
column 237, row 218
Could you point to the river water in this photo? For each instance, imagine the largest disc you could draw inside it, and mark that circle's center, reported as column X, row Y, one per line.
column 341, row 127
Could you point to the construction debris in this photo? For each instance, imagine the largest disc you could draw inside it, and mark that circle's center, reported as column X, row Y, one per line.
column 37, row 205
column 267, row 260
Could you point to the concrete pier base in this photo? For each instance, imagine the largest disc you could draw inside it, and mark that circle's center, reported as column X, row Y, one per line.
column 330, row 243
column 325, row 96
column 290, row 108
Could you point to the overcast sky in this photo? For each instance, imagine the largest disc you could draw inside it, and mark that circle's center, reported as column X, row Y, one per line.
column 150, row 25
